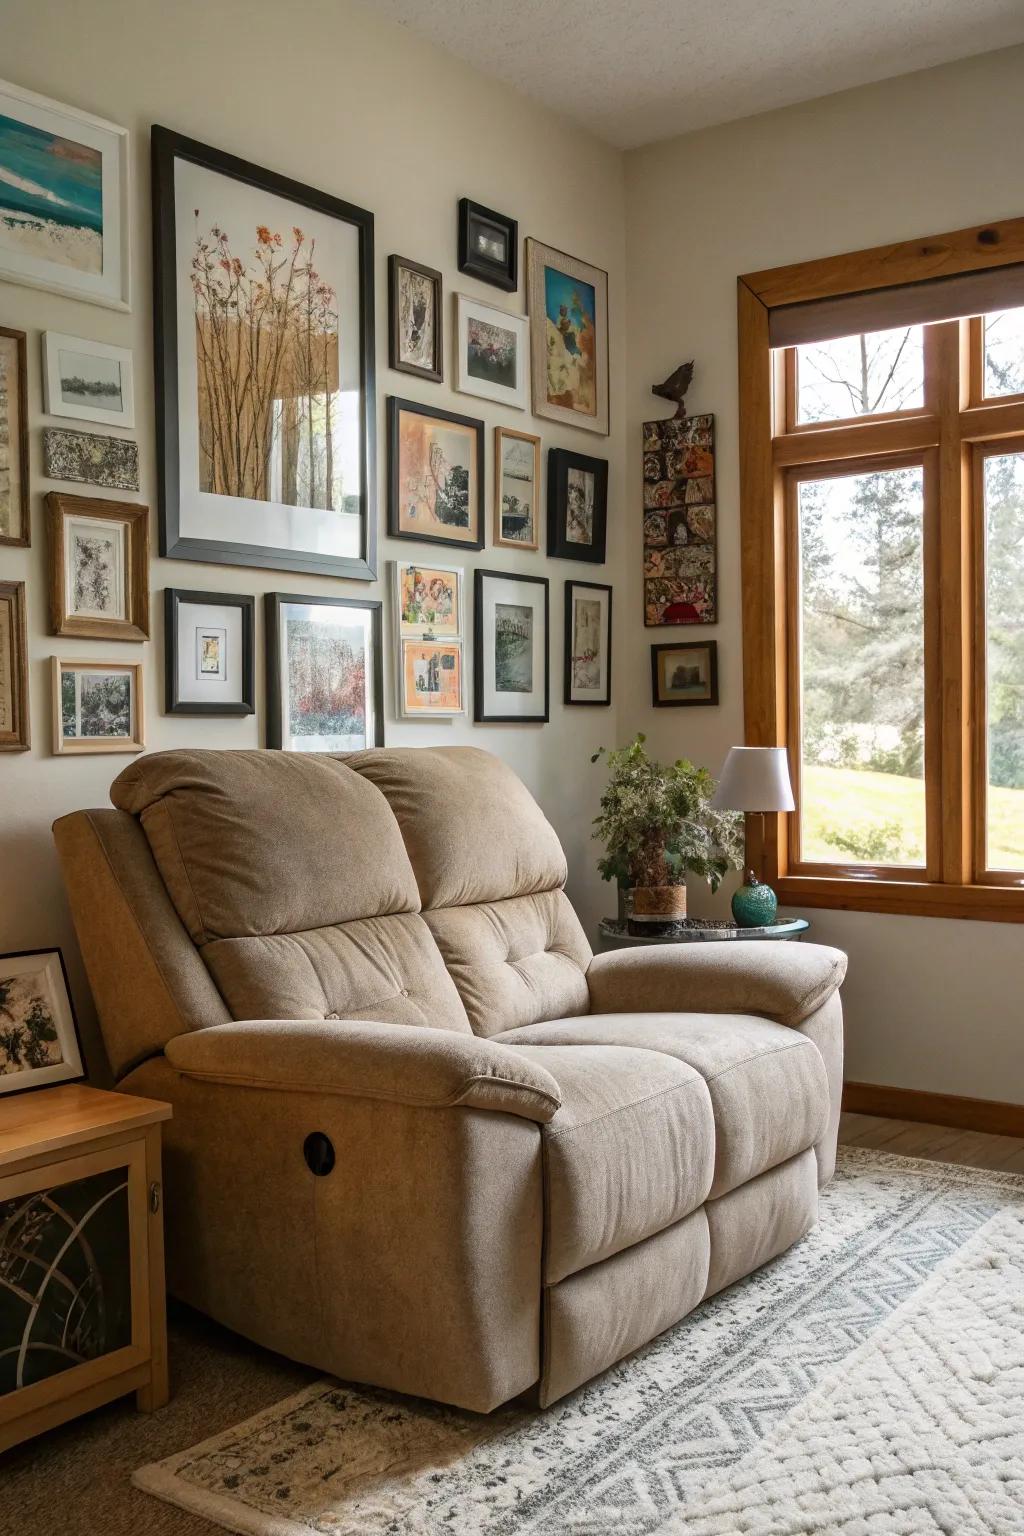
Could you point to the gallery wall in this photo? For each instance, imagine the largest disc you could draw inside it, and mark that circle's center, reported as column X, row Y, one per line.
column 364, row 111
column 931, row 1004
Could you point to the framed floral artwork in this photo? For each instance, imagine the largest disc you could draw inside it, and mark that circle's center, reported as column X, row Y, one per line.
column 324, row 678
column 416, row 329
column 567, row 301
column 15, row 524
column 97, row 707
column 436, row 475
column 510, row 647
column 491, row 352
column 588, row 643
column 265, row 366
column 516, row 489
column 99, row 567
column 63, row 199
column 39, row 1040
column 209, row 653
column 87, row 380
column 684, row 674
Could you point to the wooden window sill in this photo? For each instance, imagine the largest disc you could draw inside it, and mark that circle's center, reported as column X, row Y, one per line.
column 982, row 903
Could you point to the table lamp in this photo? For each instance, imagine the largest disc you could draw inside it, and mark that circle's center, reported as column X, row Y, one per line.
column 754, row 779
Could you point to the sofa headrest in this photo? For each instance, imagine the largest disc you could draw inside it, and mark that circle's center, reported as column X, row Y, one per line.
column 472, row 829
column 256, row 843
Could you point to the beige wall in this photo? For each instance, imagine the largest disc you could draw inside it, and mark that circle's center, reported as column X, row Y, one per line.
column 931, row 1004
column 367, row 112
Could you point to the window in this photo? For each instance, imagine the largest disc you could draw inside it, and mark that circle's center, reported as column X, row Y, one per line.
column 882, row 485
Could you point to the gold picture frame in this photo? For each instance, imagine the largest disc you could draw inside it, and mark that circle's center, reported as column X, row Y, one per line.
column 507, row 484
column 15, row 729
column 88, row 708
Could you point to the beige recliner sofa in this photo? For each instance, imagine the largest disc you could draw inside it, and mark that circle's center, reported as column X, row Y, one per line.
column 422, row 1137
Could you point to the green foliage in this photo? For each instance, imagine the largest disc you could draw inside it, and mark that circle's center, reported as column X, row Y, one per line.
column 882, row 844
column 657, row 824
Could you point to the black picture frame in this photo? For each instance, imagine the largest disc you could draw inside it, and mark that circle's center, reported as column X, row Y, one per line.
column 395, row 408
column 500, row 274
column 169, row 146
column 273, row 603
column 173, row 703
column 480, row 717
column 711, row 646
column 560, row 546
column 436, row 373
column 588, row 586
column 74, row 1077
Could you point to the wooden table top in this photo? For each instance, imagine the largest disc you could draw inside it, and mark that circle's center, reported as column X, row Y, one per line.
column 49, row 1119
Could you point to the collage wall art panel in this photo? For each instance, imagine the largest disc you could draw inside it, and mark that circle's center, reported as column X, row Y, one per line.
column 680, row 524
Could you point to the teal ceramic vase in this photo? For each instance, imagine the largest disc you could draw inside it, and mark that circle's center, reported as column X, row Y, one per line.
column 754, row 905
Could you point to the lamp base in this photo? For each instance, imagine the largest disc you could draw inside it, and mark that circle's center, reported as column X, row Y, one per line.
column 754, row 905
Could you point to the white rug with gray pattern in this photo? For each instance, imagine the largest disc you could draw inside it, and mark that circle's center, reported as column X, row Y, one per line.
column 868, row 1383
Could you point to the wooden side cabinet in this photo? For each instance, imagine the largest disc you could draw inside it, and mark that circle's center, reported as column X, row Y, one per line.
column 82, row 1300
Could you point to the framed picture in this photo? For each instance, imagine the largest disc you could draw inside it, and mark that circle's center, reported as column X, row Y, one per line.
column 15, row 733
column 680, row 522
column 577, row 506
column 63, row 199
column 428, row 599
column 568, row 305
column 112, row 462
column 15, row 526
column 488, row 245
column 491, row 349
column 416, row 329
column 325, row 688
column 263, row 292
column 87, row 380
column 516, row 489
column 436, row 481
column 510, row 635
column 209, row 653
column 39, row 1041
column 99, row 567
column 430, row 678
column 97, row 707
column 684, row 674
column 588, row 643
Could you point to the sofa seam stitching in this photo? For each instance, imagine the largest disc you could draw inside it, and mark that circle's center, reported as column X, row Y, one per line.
column 416, row 1100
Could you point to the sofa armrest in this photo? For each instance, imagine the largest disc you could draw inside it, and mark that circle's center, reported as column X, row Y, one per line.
column 406, row 1064
column 784, row 982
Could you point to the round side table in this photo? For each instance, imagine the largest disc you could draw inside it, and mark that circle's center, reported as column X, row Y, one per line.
column 612, row 934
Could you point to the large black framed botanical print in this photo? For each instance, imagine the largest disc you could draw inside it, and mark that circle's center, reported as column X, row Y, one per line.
column 263, row 294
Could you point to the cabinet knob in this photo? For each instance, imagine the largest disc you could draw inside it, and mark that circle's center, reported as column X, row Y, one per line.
column 154, row 1197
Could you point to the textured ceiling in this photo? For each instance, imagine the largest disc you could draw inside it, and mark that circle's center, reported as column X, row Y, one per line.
column 633, row 71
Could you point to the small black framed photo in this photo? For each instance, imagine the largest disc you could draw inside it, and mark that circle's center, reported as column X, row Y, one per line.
column 325, row 683
column 510, row 647
column 209, row 653
column 588, row 643
column 684, row 674
column 577, row 505
column 39, row 1040
column 488, row 245
column 416, row 319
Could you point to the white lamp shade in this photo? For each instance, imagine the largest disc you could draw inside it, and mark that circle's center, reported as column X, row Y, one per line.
column 754, row 779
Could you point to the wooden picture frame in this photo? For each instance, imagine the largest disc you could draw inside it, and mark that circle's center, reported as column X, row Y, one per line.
column 486, row 685
column 15, row 516
column 52, row 992
column 577, row 506
column 479, row 229
column 582, row 683
column 179, row 697
column 72, row 704
column 567, row 301
column 186, row 513
column 402, row 513
column 662, row 695
column 275, row 616
column 15, row 724
column 505, row 521
column 112, row 566
column 435, row 369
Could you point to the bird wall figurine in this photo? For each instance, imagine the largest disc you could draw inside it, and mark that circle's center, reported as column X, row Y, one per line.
column 675, row 387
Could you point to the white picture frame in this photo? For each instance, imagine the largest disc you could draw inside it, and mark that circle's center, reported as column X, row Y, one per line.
column 428, row 606
column 39, row 1020
column 82, row 380
column 483, row 335
column 64, row 223
column 429, row 599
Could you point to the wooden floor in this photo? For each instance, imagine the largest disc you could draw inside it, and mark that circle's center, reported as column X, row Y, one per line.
column 939, row 1143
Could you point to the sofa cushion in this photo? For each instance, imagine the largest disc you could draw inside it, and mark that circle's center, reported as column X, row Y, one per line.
column 514, row 962
column 767, row 1084
column 629, row 1152
column 473, row 830
column 267, row 842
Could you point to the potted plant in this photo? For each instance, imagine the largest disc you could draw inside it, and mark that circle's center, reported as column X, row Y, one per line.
column 657, row 825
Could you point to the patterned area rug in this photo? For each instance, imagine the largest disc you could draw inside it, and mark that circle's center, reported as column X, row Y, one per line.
column 870, row 1382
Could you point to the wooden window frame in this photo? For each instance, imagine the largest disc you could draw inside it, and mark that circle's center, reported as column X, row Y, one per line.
column 951, row 437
